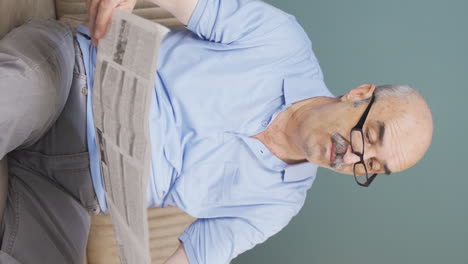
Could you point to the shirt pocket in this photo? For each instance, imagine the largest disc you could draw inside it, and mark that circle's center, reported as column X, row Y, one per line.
column 210, row 183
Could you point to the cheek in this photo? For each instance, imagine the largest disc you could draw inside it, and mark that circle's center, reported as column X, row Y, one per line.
column 342, row 119
column 330, row 124
column 346, row 170
column 317, row 137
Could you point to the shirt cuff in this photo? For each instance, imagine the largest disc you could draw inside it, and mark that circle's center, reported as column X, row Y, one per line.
column 189, row 250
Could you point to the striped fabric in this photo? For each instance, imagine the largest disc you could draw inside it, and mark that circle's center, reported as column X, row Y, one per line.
column 73, row 12
column 165, row 225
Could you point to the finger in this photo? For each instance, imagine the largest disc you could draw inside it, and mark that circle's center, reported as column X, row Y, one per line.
column 106, row 7
column 127, row 5
column 124, row 7
column 92, row 11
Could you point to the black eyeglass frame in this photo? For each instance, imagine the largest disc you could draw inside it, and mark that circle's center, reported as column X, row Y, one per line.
column 358, row 127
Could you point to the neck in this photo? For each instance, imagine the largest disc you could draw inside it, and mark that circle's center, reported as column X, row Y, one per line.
column 276, row 139
column 280, row 136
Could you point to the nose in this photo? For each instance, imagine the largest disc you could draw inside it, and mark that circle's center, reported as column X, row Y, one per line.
column 350, row 158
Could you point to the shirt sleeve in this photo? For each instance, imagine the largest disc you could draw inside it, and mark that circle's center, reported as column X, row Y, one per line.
column 227, row 21
column 219, row 240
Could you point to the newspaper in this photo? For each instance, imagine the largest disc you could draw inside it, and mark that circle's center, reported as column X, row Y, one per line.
column 123, row 83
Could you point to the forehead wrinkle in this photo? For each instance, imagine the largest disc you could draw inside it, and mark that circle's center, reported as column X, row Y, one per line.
column 399, row 155
column 392, row 126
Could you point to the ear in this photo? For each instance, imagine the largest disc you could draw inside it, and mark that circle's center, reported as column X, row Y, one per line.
column 359, row 93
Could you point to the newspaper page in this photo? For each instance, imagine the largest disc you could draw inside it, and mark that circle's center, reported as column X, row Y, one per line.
column 124, row 76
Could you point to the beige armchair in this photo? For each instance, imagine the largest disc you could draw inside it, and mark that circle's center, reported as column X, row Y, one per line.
column 165, row 224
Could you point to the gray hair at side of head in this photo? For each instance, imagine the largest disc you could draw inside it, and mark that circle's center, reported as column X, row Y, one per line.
column 390, row 90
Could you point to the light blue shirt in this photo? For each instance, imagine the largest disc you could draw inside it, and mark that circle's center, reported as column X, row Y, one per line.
column 222, row 81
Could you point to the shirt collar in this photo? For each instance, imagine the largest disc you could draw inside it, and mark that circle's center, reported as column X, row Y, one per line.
column 296, row 89
column 264, row 154
column 299, row 172
column 84, row 30
column 292, row 172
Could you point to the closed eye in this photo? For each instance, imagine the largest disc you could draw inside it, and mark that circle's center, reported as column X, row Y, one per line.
column 368, row 137
column 371, row 165
column 374, row 165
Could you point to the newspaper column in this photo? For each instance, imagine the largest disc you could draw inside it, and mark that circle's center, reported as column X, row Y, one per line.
column 123, row 82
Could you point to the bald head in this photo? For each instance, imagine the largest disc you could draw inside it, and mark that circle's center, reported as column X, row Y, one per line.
column 408, row 123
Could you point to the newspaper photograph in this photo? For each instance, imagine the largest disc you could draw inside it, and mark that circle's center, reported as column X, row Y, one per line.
column 124, row 78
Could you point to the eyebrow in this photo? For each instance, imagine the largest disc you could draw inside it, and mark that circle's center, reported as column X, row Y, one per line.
column 386, row 169
column 381, row 132
column 381, row 136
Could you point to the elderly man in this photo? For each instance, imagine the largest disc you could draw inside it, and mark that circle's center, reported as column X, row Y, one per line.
column 239, row 122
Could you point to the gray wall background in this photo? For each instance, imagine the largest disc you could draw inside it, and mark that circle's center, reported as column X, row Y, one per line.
column 417, row 216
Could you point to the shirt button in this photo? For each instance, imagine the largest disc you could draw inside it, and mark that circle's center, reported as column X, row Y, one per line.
column 84, row 91
column 264, row 123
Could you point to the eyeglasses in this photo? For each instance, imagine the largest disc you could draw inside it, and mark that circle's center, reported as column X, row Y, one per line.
column 357, row 148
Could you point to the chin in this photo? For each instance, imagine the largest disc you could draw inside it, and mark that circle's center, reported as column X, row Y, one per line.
column 316, row 155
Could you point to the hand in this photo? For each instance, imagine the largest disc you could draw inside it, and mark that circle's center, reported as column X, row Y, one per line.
column 100, row 13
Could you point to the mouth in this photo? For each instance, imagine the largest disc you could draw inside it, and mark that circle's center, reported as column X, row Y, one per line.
column 338, row 149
